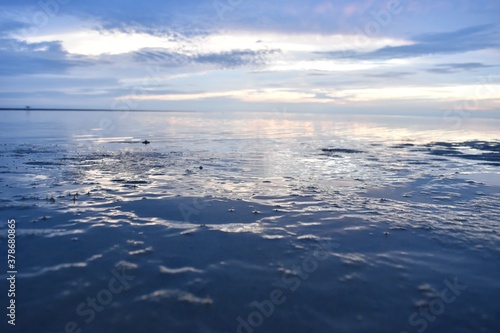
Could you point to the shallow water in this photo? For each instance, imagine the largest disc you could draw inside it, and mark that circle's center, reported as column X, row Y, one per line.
column 296, row 223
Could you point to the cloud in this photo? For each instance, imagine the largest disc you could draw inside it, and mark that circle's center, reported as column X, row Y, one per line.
column 19, row 58
column 7, row 25
column 460, row 41
column 234, row 58
column 245, row 95
column 457, row 67
column 182, row 53
column 194, row 17
column 226, row 59
column 161, row 57
column 387, row 75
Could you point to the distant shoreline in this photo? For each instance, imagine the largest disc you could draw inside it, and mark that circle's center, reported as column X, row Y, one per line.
column 450, row 118
column 97, row 110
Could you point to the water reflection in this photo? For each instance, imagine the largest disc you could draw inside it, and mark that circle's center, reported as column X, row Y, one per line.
column 400, row 211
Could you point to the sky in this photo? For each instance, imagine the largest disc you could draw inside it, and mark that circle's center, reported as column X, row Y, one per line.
column 361, row 56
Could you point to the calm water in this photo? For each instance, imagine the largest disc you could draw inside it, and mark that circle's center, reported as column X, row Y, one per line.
column 251, row 222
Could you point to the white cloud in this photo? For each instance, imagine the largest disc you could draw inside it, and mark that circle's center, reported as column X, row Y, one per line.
column 446, row 93
column 93, row 42
column 321, row 65
column 472, row 93
column 294, row 42
column 245, row 95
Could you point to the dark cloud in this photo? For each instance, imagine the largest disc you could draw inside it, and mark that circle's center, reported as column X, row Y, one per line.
column 199, row 16
column 21, row 58
column 6, row 26
column 453, row 68
column 18, row 58
column 325, row 96
column 234, row 58
column 161, row 57
column 228, row 59
column 460, row 41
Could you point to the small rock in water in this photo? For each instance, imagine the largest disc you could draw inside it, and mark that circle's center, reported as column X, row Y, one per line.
column 52, row 200
column 201, row 168
column 255, row 212
column 231, row 210
column 146, row 142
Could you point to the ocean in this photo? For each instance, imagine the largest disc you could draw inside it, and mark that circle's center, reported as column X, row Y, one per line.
column 249, row 222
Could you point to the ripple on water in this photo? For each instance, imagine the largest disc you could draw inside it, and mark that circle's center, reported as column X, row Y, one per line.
column 442, row 214
column 175, row 295
column 166, row 270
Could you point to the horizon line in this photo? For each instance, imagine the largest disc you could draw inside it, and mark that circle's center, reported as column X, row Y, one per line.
column 75, row 109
